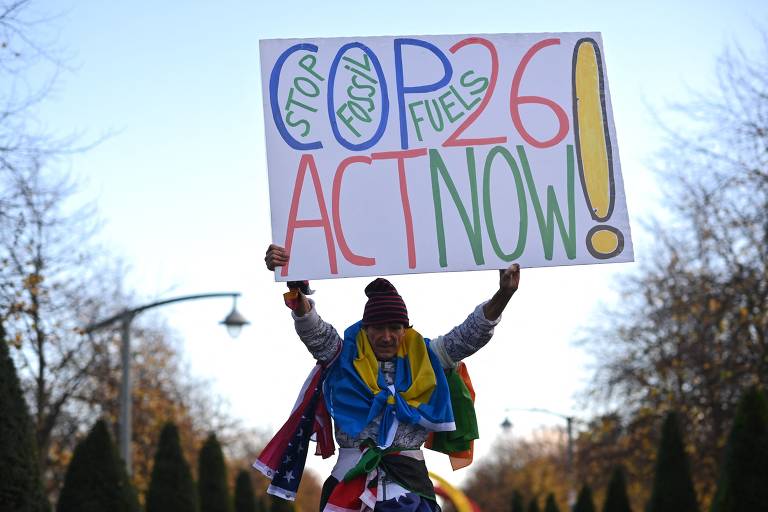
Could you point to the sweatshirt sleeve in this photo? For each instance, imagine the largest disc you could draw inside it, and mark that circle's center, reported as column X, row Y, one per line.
column 465, row 339
column 321, row 338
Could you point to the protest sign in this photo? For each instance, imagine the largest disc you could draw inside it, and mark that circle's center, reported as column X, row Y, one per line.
column 396, row 155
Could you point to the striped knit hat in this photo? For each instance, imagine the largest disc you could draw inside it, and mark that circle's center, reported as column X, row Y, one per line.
column 385, row 305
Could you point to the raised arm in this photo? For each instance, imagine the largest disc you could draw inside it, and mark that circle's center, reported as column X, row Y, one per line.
column 471, row 335
column 277, row 256
column 509, row 280
column 321, row 338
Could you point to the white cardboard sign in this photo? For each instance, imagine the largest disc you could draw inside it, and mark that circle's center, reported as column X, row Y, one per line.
column 397, row 155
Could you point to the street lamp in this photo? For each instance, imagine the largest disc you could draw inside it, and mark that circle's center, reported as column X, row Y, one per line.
column 506, row 425
column 234, row 322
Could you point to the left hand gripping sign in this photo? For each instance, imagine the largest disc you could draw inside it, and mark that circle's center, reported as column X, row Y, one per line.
column 396, row 155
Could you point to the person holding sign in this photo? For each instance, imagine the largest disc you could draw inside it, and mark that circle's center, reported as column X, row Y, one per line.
column 388, row 391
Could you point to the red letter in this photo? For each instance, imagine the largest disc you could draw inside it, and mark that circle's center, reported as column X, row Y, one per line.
column 308, row 161
column 401, row 156
column 454, row 140
column 515, row 100
column 348, row 254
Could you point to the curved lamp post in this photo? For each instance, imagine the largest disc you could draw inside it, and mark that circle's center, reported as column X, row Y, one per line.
column 506, row 426
column 234, row 322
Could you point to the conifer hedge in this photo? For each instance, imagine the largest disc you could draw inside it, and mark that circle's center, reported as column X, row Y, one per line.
column 551, row 504
column 584, row 501
column 245, row 501
column 281, row 505
column 616, row 499
column 517, row 502
column 96, row 479
column 212, row 477
column 20, row 482
column 171, row 488
column 743, row 483
column 672, row 484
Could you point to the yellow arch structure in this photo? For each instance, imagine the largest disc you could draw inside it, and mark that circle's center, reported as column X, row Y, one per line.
column 458, row 498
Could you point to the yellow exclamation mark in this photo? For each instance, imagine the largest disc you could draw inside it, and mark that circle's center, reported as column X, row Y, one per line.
column 593, row 148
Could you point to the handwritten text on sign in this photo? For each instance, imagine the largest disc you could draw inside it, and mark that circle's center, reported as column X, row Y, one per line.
column 391, row 155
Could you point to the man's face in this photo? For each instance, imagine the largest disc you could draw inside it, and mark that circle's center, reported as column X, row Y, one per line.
column 385, row 339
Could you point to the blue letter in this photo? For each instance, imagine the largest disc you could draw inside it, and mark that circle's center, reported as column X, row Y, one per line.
column 402, row 90
column 274, row 81
column 384, row 98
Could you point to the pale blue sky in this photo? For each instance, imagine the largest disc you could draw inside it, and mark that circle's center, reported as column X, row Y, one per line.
column 181, row 183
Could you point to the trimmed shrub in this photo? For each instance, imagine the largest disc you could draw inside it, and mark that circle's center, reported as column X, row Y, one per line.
column 551, row 504
column 281, row 505
column 616, row 499
column 672, row 484
column 20, row 482
column 171, row 488
column 96, row 479
column 517, row 502
column 584, row 501
column 212, row 477
column 245, row 501
column 743, row 483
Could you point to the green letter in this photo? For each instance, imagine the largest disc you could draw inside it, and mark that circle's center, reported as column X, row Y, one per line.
column 546, row 227
column 447, row 107
column 522, row 204
column 347, row 120
column 415, row 118
column 436, row 164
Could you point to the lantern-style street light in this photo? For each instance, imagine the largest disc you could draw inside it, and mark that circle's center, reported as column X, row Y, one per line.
column 234, row 322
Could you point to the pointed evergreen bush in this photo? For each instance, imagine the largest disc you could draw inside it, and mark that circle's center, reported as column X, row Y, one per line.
column 245, row 501
column 517, row 502
column 584, row 501
column 96, row 479
column 262, row 504
column 20, row 482
column 551, row 504
column 672, row 484
column 616, row 499
column 212, row 477
column 743, row 482
column 171, row 488
column 533, row 505
column 281, row 505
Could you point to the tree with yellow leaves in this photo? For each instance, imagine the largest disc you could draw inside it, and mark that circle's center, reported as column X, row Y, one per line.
column 526, row 467
column 691, row 332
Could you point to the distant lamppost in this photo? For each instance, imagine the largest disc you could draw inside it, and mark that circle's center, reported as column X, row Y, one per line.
column 506, row 426
column 234, row 322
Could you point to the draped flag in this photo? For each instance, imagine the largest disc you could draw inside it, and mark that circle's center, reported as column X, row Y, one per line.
column 458, row 444
column 356, row 391
column 283, row 459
